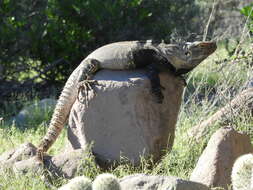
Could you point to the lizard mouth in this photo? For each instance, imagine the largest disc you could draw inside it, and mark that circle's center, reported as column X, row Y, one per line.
column 208, row 47
column 201, row 50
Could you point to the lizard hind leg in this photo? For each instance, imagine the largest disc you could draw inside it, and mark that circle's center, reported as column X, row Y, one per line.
column 85, row 82
column 86, row 86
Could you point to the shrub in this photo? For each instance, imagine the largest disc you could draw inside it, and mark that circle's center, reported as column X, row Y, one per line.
column 248, row 11
column 46, row 39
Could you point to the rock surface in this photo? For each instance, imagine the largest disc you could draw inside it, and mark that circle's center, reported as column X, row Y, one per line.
column 214, row 166
column 22, row 160
column 68, row 163
column 122, row 119
column 64, row 165
column 146, row 182
column 23, row 151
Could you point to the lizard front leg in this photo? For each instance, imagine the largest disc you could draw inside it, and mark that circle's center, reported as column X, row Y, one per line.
column 156, row 89
column 179, row 73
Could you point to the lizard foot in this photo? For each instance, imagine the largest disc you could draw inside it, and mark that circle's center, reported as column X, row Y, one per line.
column 157, row 94
column 183, row 79
column 40, row 157
column 86, row 85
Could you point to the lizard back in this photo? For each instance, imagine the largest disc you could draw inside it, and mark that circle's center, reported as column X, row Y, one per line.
column 119, row 55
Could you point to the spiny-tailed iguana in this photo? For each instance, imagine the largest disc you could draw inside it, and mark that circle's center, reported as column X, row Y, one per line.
column 155, row 57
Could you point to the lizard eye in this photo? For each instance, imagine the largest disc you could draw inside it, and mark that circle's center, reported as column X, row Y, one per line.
column 187, row 53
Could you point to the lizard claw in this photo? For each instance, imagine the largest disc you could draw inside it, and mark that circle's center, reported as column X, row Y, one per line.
column 183, row 79
column 40, row 157
column 162, row 87
column 86, row 85
column 185, row 83
column 158, row 95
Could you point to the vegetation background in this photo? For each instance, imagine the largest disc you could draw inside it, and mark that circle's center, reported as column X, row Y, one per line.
column 42, row 41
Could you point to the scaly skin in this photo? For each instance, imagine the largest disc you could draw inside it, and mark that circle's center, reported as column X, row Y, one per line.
column 155, row 57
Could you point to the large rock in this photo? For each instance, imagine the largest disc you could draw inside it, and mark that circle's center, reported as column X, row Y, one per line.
column 146, row 182
column 68, row 163
column 122, row 119
column 215, row 164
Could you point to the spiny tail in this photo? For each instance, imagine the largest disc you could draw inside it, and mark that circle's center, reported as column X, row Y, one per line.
column 67, row 98
column 60, row 115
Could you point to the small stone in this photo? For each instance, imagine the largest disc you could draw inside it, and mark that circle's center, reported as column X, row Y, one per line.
column 148, row 182
column 23, row 151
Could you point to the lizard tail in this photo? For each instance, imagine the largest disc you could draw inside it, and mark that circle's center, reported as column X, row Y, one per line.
column 60, row 115
column 67, row 98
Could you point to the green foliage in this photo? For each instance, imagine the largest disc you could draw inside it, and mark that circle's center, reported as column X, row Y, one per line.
column 47, row 39
column 248, row 11
column 21, row 27
column 14, row 181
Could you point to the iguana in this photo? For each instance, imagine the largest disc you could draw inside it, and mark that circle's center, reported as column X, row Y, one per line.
column 155, row 57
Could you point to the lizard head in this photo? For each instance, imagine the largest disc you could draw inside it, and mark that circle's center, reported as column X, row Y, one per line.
column 187, row 56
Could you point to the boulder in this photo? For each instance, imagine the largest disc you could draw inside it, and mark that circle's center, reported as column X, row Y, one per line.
column 147, row 182
column 120, row 118
column 214, row 166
